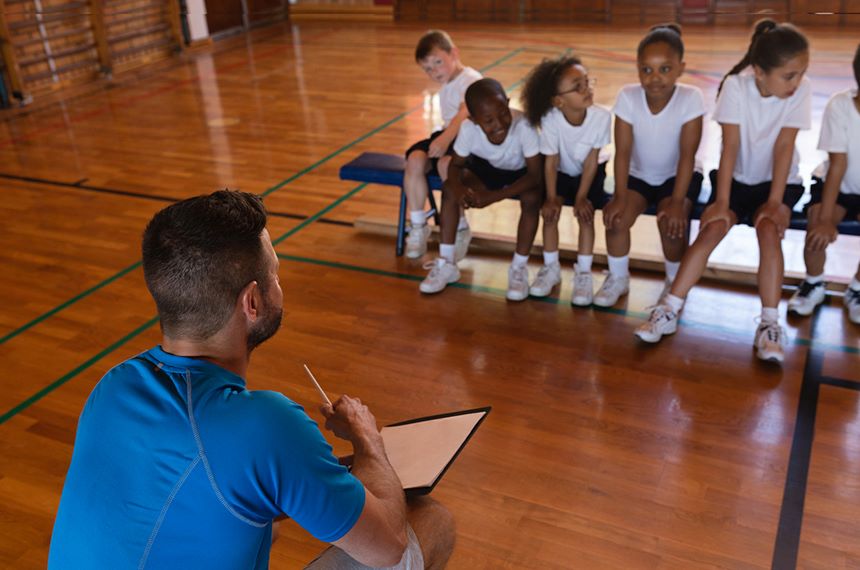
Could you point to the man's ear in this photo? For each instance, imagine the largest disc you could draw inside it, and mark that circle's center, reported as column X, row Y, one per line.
column 250, row 301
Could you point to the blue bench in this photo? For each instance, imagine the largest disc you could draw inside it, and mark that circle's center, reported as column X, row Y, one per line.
column 388, row 169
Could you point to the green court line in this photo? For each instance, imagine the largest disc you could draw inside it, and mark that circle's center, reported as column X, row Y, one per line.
column 268, row 191
column 638, row 315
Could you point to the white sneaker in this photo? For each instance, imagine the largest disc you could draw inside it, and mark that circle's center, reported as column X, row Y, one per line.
column 770, row 342
column 662, row 321
column 461, row 244
column 442, row 272
column 548, row 277
column 807, row 297
column 583, row 288
column 612, row 288
column 518, row 283
column 667, row 288
column 852, row 304
column 416, row 241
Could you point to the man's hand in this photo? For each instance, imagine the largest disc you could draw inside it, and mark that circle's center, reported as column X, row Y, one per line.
column 674, row 218
column 551, row 209
column 613, row 209
column 821, row 236
column 583, row 209
column 349, row 419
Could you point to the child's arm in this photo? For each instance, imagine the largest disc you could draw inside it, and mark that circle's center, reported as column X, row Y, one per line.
column 583, row 209
column 691, row 134
column 719, row 210
column 552, row 205
column 480, row 198
column 783, row 150
column 440, row 145
column 623, row 148
column 825, row 232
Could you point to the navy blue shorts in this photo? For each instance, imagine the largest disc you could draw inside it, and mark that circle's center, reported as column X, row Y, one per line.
column 746, row 199
column 655, row 194
column 424, row 145
column 851, row 202
column 492, row 177
column 567, row 187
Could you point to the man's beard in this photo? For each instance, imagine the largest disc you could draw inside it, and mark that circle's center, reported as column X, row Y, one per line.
column 265, row 328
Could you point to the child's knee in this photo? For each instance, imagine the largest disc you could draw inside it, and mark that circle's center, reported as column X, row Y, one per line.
column 416, row 162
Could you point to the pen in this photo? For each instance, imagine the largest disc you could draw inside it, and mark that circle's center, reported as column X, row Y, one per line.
column 317, row 384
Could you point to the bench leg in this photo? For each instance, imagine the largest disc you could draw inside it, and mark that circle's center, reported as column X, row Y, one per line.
column 433, row 209
column 401, row 224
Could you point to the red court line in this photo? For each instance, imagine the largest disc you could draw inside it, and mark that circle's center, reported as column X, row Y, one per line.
column 51, row 129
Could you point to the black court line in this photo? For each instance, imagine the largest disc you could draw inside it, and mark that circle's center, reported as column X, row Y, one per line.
column 79, row 185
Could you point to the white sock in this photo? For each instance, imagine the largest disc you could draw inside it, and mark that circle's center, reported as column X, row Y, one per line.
column 418, row 218
column 769, row 314
column 550, row 257
column 447, row 251
column 674, row 303
column 619, row 266
column 520, row 260
column 583, row 263
column 464, row 223
column 855, row 284
column 672, row 269
column 814, row 279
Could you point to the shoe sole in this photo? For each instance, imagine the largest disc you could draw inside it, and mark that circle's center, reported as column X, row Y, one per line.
column 653, row 340
column 804, row 313
column 581, row 302
column 764, row 357
column 516, row 297
column 540, row 295
column 420, row 288
column 600, row 303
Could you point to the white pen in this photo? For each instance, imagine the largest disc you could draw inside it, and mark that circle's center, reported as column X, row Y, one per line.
column 317, row 384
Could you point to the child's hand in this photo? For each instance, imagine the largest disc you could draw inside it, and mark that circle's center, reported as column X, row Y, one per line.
column 776, row 213
column 673, row 219
column 438, row 147
column 583, row 209
column 478, row 198
column 551, row 209
column 612, row 210
column 821, row 236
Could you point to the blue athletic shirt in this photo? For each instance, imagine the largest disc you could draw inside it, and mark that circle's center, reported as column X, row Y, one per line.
column 177, row 465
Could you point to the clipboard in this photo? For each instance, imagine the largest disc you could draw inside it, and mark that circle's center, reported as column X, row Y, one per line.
column 422, row 449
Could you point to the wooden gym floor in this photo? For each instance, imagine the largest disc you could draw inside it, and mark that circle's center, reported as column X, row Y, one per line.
column 599, row 453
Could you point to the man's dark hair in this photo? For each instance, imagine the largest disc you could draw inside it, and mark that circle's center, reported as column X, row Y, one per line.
column 433, row 39
column 198, row 254
column 481, row 90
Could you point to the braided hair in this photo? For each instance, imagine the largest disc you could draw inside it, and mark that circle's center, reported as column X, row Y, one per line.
column 541, row 86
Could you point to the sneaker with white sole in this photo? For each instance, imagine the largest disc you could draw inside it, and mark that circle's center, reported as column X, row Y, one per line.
column 518, row 283
column 852, row 305
column 548, row 277
column 583, row 288
column 461, row 244
column 807, row 297
column 662, row 321
column 770, row 342
column 416, row 241
column 611, row 290
column 442, row 273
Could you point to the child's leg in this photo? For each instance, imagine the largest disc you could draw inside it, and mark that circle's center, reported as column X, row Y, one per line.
column 550, row 235
column 530, row 203
column 695, row 259
column 771, row 263
column 673, row 248
column 449, row 215
column 415, row 181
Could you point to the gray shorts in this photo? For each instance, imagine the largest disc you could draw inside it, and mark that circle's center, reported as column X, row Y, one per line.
column 333, row 558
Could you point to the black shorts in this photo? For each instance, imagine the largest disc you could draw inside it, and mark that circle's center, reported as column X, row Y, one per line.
column 424, row 145
column 567, row 187
column 746, row 199
column 492, row 177
column 655, row 194
column 851, row 202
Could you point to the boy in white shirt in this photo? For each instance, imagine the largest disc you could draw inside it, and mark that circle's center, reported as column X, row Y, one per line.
column 496, row 156
column 440, row 59
column 838, row 200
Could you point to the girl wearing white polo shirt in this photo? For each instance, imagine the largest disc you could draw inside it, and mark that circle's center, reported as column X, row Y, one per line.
column 837, row 201
column 758, row 183
column 658, row 126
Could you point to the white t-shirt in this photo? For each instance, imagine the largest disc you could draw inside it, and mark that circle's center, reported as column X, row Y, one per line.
column 452, row 94
column 760, row 120
column 571, row 143
column 656, row 138
column 522, row 142
column 840, row 132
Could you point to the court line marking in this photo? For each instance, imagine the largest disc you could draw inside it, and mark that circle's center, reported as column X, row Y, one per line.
column 269, row 191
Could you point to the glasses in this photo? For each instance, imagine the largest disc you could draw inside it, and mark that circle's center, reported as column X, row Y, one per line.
column 581, row 87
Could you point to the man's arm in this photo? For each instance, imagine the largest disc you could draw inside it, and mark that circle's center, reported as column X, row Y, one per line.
column 378, row 537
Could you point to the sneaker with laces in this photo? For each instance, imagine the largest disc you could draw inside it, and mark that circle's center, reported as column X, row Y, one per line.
column 518, row 283
column 416, row 241
column 662, row 321
column 583, row 288
column 461, row 244
column 770, row 342
column 852, row 304
column 442, row 273
column 807, row 297
column 548, row 277
column 613, row 288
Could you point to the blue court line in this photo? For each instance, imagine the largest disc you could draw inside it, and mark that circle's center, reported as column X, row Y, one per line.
column 267, row 192
column 495, row 291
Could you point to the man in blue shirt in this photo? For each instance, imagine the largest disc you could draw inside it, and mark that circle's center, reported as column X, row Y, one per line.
column 177, row 465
